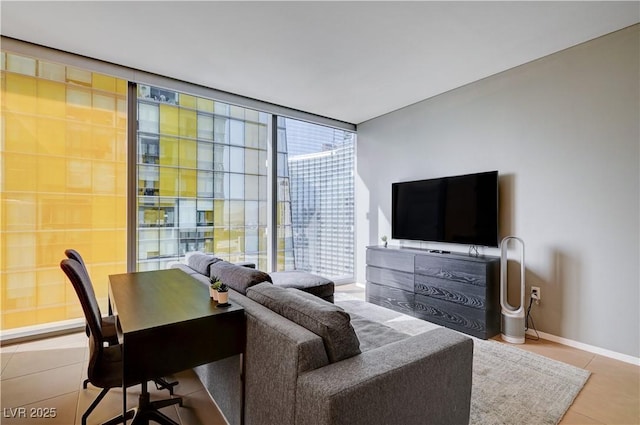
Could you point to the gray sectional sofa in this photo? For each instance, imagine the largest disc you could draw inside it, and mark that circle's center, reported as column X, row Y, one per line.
column 309, row 362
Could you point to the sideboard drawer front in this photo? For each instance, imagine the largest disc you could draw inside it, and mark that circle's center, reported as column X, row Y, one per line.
column 390, row 259
column 466, row 272
column 464, row 319
column 392, row 298
column 451, row 291
column 393, row 278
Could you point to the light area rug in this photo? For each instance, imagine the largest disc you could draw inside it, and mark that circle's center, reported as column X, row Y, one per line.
column 510, row 386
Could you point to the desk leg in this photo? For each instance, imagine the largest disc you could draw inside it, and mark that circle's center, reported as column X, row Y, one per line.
column 124, row 391
column 242, row 382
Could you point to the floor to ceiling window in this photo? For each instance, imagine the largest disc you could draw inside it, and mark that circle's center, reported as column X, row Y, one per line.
column 63, row 185
column 202, row 179
column 316, row 198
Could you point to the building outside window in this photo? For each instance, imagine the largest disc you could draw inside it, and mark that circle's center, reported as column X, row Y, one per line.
column 63, row 185
column 316, row 198
column 201, row 184
column 202, row 179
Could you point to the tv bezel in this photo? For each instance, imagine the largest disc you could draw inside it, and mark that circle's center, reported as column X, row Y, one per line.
column 394, row 235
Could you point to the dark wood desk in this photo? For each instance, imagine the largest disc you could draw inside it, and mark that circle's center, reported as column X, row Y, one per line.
column 167, row 323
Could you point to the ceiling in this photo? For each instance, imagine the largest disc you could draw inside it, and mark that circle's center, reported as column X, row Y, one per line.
column 350, row 61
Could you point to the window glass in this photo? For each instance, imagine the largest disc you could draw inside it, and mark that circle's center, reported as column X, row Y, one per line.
column 252, row 161
column 251, row 187
column 221, row 109
column 221, row 157
column 187, row 213
column 221, row 185
column 169, row 152
column 52, row 71
column 188, row 123
column 315, row 199
column 236, row 186
column 188, row 153
column 148, row 118
column 236, row 132
column 205, row 126
column 252, row 135
column 63, row 154
column 205, row 105
column 221, row 130
column 236, row 160
column 198, row 146
column 205, row 156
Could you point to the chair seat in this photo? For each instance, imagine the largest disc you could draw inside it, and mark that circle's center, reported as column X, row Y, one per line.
column 107, row 372
column 109, row 330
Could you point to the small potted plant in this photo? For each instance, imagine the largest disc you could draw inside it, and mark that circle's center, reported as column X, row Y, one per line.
column 384, row 239
column 213, row 288
column 223, row 294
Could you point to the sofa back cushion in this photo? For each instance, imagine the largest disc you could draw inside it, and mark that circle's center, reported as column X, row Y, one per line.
column 236, row 277
column 200, row 262
column 326, row 320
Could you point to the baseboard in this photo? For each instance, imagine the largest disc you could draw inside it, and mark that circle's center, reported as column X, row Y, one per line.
column 31, row 333
column 586, row 347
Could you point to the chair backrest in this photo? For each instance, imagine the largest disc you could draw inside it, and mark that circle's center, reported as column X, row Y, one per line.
column 84, row 289
column 75, row 255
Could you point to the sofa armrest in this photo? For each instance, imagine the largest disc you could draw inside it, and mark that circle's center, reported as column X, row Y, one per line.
column 419, row 380
column 246, row 264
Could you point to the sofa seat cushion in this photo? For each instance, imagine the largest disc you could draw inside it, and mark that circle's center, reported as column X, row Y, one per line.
column 373, row 334
column 236, row 277
column 307, row 282
column 326, row 320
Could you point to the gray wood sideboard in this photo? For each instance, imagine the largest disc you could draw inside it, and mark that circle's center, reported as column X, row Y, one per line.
column 454, row 290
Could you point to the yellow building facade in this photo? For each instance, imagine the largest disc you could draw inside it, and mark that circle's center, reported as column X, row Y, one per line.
column 63, row 185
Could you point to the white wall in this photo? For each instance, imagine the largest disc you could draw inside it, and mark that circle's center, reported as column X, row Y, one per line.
column 563, row 132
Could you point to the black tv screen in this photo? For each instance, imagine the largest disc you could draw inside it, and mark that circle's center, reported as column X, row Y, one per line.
column 457, row 209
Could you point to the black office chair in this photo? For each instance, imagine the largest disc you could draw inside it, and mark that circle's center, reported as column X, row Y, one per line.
column 105, row 361
column 109, row 331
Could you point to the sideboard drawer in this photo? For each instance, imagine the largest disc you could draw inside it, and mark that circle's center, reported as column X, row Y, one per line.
column 455, row 316
column 451, row 291
column 392, row 278
column 391, row 298
column 390, row 259
column 464, row 271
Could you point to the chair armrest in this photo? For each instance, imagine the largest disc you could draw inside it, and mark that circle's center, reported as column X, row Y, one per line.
column 419, row 380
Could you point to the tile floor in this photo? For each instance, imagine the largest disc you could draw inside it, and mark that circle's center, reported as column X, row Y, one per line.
column 48, row 374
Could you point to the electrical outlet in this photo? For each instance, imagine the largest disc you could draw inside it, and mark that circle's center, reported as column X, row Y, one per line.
column 535, row 294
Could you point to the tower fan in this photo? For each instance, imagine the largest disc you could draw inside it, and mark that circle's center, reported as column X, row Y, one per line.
column 513, row 321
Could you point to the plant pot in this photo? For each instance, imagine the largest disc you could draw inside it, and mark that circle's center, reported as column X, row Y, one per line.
column 223, row 297
column 213, row 294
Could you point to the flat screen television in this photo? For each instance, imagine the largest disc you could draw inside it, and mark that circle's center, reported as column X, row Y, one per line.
column 457, row 209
